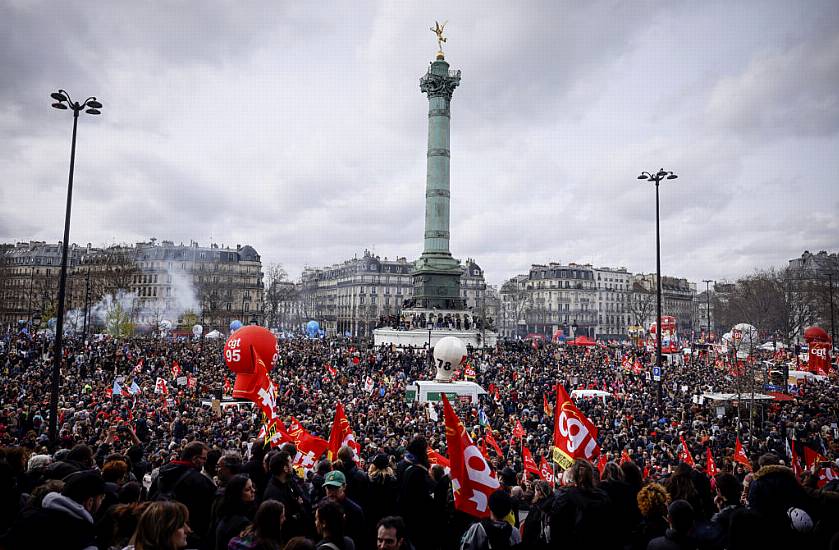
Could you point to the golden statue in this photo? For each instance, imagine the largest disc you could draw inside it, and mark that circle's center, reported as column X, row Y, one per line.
column 438, row 30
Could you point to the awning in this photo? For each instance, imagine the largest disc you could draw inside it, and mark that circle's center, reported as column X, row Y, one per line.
column 781, row 396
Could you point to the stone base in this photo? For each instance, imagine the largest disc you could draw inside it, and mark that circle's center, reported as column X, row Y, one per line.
column 418, row 338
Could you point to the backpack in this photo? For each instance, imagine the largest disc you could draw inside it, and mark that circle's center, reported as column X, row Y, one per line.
column 497, row 538
column 169, row 493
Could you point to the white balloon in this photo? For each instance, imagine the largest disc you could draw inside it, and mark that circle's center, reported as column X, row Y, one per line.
column 449, row 354
column 197, row 330
column 743, row 337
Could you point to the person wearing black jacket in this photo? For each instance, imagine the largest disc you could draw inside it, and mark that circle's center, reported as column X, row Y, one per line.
column 283, row 488
column 65, row 520
column 415, row 500
column 357, row 481
column 183, row 481
column 580, row 510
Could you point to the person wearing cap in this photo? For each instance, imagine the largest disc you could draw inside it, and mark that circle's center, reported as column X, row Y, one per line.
column 65, row 519
column 335, row 484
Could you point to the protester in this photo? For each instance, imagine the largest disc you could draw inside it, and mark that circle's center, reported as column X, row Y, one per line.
column 265, row 533
column 163, row 526
column 155, row 430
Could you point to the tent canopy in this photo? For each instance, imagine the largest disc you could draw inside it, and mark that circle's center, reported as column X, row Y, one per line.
column 581, row 341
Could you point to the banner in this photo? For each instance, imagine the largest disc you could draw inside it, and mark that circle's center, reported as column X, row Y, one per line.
column 818, row 360
column 574, row 434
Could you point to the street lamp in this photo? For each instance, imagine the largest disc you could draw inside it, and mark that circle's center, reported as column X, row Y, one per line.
column 90, row 106
column 662, row 174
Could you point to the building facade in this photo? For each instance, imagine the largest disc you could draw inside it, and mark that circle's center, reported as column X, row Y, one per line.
column 146, row 283
column 350, row 298
column 598, row 302
column 678, row 300
column 549, row 298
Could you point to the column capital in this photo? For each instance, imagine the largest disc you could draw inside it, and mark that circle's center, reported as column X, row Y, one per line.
column 439, row 81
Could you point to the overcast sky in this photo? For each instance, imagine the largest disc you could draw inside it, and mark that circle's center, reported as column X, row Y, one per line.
column 299, row 128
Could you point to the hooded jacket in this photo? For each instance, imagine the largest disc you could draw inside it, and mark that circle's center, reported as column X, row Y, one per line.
column 60, row 523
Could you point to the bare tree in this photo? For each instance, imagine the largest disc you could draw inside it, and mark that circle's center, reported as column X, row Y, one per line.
column 279, row 291
column 642, row 304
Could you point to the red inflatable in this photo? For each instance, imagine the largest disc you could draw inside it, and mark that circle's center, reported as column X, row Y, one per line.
column 816, row 334
column 242, row 344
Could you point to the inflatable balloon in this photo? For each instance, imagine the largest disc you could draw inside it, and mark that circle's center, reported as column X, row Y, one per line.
column 449, row 354
column 235, row 325
column 743, row 338
column 241, row 345
column 197, row 330
column 816, row 334
column 312, row 329
column 165, row 324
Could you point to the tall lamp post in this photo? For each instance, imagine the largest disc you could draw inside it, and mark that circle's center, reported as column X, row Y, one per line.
column 90, row 106
column 656, row 178
column 708, row 311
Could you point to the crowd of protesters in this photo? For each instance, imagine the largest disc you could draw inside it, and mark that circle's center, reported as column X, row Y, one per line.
column 139, row 469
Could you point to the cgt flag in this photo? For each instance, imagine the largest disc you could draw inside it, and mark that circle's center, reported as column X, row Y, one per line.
column 684, row 453
column 472, row 478
column 574, row 434
column 710, row 468
column 530, row 464
column 341, row 434
column 546, row 470
column 740, row 455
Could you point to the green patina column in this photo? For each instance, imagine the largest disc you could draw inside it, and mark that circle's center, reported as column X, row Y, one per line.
column 437, row 273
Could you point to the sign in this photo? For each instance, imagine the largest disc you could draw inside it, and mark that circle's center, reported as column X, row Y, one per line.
column 181, row 380
column 657, row 374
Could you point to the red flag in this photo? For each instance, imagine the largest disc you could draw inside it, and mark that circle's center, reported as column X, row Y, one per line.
column 161, row 387
column 601, row 463
column 546, row 407
column 436, row 458
column 684, row 453
column 331, row 370
column 518, row 431
column 138, row 368
column 484, row 450
column 812, row 457
column 637, row 368
column 491, row 389
column 795, row 462
column 546, row 471
column 226, row 386
column 472, row 478
column 624, row 457
column 469, row 371
column 574, row 434
column 489, row 438
column 530, row 464
column 176, row 369
column 191, row 381
column 109, row 393
column 341, row 434
column 740, row 455
column 309, row 450
column 710, row 467
column 646, row 473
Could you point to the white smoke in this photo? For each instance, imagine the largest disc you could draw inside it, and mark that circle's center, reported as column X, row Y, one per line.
column 184, row 293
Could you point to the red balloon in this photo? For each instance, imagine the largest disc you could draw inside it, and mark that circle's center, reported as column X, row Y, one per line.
column 242, row 344
column 816, row 334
